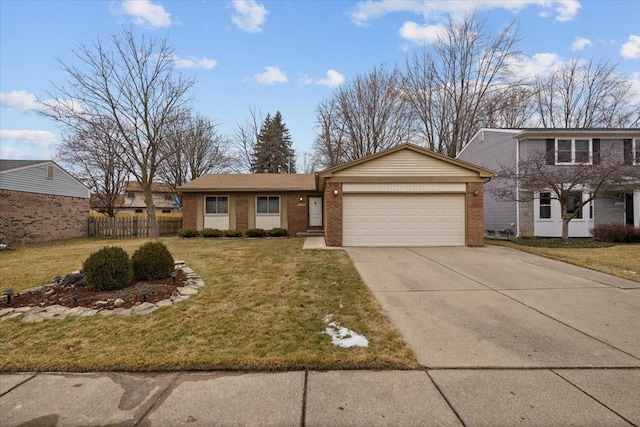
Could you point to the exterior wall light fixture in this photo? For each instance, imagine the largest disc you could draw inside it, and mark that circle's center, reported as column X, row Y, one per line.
column 335, row 192
column 475, row 193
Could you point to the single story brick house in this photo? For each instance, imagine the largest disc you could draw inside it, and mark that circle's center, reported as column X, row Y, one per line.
column 40, row 201
column 403, row 196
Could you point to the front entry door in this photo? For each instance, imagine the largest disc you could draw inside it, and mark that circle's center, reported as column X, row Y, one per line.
column 315, row 211
column 628, row 201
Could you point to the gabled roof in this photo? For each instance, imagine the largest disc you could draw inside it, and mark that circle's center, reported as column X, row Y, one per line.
column 327, row 173
column 156, row 187
column 6, row 165
column 252, row 182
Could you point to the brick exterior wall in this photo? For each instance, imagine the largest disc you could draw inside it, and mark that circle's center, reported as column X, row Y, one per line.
column 297, row 213
column 242, row 212
column 475, row 215
column 32, row 217
column 189, row 210
column 333, row 214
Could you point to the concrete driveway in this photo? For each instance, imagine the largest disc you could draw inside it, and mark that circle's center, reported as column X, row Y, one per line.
column 512, row 338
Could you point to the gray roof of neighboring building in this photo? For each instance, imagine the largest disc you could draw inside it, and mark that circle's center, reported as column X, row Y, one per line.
column 6, row 165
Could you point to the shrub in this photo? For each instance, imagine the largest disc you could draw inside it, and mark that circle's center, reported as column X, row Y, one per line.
column 256, row 232
column 616, row 233
column 233, row 233
column 278, row 232
column 152, row 261
column 107, row 269
column 188, row 232
column 211, row 232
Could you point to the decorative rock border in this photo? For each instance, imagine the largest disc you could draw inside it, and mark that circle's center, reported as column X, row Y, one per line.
column 38, row 314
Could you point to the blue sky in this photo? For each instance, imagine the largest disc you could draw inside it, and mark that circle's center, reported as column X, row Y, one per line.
column 279, row 55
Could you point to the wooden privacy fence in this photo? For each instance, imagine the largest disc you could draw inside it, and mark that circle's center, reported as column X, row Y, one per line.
column 133, row 226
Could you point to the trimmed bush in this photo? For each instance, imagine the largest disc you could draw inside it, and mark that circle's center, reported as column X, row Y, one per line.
column 211, row 232
column 152, row 261
column 188, row 232
column 278, row 232
column 107, row 269
column 233, row 233
column 256, row 232
column 616, row 233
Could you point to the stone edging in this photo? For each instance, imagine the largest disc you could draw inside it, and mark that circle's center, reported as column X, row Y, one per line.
column 38, row 314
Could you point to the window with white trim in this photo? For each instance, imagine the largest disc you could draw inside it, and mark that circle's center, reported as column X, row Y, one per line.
column 545, row 205
column 217, row 205
column 573, row 204
column 266, row 205
column 573, row 151
column 636, row 151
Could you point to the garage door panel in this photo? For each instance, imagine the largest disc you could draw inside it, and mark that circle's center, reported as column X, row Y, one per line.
column 403, row 220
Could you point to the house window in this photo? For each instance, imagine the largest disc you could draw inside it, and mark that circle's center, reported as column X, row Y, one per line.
column 217, row 205
column 636, row 151
column 166, row 210
column 573, row 204
column 545, row 205
column 131, row 195
column 138, row 210
column 268, row 205
column 573, row 151
column 49, row 172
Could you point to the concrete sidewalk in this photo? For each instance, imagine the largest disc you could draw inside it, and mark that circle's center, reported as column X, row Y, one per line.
column 537, row 397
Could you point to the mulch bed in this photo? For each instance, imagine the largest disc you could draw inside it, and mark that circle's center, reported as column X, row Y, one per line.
column 158, row 290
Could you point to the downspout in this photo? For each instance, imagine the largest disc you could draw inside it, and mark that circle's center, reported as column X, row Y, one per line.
column 517, row 188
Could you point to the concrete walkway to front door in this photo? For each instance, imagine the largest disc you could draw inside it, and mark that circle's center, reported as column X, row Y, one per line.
column 511, row 327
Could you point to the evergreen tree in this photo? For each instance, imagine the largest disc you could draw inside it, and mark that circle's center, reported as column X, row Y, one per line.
column 273, row 152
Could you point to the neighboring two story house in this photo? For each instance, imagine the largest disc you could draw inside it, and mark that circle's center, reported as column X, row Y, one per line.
column 163, row 199
column 496, row 149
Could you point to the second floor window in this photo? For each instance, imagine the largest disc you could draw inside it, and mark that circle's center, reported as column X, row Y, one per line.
column 573, row 151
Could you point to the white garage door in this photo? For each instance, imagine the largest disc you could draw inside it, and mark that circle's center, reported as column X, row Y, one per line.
column 403, row 220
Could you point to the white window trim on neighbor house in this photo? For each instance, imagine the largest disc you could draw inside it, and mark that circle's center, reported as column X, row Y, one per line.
column 268, row 219
column 573, row 160
column 552, row 226
column 218, row 219
column 635, row 152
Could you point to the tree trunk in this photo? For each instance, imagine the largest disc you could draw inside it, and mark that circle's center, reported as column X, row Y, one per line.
column 154, row 232
column 565, row 227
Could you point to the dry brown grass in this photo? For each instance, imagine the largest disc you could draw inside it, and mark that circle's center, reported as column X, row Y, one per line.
column 262, row 309
column 618, row 260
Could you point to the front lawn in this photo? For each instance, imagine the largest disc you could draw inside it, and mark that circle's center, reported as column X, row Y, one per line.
column 618, row 260
column 263, row 308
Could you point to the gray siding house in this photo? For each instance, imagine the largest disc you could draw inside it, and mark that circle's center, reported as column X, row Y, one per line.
column 40, row 201
column 498, row 148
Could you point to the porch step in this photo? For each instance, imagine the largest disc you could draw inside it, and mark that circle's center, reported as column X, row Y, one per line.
column 310, row 233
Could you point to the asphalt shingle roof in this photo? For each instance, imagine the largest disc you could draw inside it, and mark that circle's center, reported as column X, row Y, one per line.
column 252, row 182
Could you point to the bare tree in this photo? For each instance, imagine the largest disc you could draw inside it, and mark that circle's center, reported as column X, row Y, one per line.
column 511, row 107
column 604, row 172
column 586, row 95
column 244, row 141
column 193, row 148
column 133, row 85
column 449, row 84
column 363, row 117
column 94, row 156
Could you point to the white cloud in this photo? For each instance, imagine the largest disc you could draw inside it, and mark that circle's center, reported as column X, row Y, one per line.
column 635, row 88
column 271, row 76
column 19, row 100
column 191, row 62
column 144, row 12
column 631, row 49
column 421, row 35
column 250, row 15
column 41, row 139
column 366, row 11
column 333, row 79
column 539, row 64
column 580, row 43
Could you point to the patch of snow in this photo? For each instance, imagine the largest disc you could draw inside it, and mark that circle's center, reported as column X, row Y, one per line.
column 343, row 337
